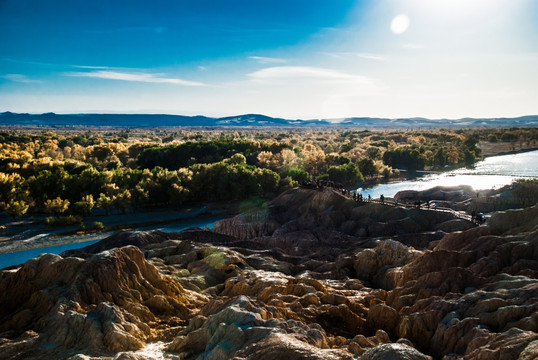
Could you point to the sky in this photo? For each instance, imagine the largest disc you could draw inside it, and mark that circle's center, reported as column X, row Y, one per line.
column 296, row 59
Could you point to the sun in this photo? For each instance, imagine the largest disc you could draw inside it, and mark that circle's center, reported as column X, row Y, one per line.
column 399, row 24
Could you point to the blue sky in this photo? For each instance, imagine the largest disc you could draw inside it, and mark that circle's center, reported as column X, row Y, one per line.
column 294, row 58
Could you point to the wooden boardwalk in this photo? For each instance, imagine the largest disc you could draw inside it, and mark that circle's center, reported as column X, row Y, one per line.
column 459, row 214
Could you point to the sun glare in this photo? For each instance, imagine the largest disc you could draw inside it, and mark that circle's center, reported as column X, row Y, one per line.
column 399, row 24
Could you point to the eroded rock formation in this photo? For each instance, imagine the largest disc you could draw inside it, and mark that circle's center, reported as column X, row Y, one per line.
column 316, row 277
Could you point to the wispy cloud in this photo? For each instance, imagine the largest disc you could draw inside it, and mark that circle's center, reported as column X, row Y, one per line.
column 341, row 55
column 19, row 78
column 267, row 60
column 371, row 56
column 63, row 65
column 306, row 72
column 136, row 77
column 92, row 67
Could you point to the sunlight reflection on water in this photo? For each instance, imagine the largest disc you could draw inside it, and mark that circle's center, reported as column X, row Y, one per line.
column 493, row 172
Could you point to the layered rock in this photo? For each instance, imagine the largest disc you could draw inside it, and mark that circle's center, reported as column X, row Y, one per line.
column 476, row 294
column 317, row 277
column 113, row 301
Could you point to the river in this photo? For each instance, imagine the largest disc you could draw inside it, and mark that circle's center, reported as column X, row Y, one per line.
column 19, row 257
column 492, row 172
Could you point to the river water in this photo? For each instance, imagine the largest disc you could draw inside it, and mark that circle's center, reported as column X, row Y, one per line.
column 19, row 257
column 493, row 172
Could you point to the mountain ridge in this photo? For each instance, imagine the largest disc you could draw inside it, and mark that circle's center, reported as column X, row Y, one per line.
column 247, row 120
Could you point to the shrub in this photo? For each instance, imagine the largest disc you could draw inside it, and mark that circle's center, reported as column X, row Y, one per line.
column 64, row 220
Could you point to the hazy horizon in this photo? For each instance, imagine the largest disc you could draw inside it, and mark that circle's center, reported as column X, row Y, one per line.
column 334, row 120
column 437, row 59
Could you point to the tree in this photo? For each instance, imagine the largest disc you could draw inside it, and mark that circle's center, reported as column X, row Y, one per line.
column 314, row 159
column 178, row 194
column 440, row 158
column 404, row 157
column 268, row 180
column 469, row 158
column 104, row 202
column 348, row 174
column 16, row 208
column 122, row 200
column 237, row 159
column 373, row 152
column 367, row 167
column 298, row 175
column 57, row 206
column 85, row 206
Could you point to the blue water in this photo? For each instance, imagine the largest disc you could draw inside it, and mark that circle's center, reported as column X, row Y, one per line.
column 493, row 172
column 19, row 257
column 184, row 225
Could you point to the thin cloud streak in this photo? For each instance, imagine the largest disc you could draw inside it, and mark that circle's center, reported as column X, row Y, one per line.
column 371, row 56
column 62, row 65
column 306, row 72
column 267, row 60
column 92, row 67
column 342, row 55
column 19, row 78
column 136, row 77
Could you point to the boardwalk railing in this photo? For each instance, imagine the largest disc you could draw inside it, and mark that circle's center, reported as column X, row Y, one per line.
column 459, row 214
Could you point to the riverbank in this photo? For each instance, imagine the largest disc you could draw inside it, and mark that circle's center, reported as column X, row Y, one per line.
column 33, row 233
column 504, row 148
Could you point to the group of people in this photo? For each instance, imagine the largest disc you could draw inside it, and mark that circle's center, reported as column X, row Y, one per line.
column 358, row 197
column 320, row 184
column 477, row 218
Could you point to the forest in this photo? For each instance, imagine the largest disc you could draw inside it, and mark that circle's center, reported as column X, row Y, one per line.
column 70, row 173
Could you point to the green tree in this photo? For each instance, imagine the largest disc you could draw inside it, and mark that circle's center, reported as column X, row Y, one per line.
column 57, row 206
column 85, row 205
column 348, row 174
column 237, row 159
column 298, row 175
column 104, row 202
column 122, row 200
column 440, row 158
column 16, row 208
column 367, row 167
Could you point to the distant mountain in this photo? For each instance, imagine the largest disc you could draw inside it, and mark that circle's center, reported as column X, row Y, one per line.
column 248, row 120
column 121, row 120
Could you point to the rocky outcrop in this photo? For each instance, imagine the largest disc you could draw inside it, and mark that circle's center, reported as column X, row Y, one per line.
column 453, row 194
column 329, row 219
column 394, row 352
column 111, row 302
column 317, row 277
column 475, row 294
